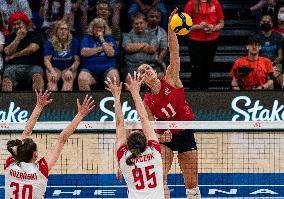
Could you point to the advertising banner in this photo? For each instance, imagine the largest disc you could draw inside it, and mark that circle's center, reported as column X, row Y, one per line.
column 207, row 106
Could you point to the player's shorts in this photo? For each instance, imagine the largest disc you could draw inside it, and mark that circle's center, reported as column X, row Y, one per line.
column 182, row 142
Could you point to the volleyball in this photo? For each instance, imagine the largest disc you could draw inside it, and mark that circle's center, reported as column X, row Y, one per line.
column 181, row 23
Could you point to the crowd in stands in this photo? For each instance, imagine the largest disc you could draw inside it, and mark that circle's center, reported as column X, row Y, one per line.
column 76, row 44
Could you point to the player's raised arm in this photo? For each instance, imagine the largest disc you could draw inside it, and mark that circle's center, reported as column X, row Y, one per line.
column 83, row 110
column 42, row 101
column 174, row 67
column 115, row 89
column 134, row 87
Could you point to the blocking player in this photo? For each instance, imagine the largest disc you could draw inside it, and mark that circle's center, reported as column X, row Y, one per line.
column 25, row 176
column 138, row 153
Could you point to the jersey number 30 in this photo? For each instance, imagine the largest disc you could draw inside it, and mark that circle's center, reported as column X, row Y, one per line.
column 26, row 188
column 150, row 177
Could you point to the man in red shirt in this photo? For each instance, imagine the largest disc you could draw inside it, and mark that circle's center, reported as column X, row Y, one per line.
column 252, row 71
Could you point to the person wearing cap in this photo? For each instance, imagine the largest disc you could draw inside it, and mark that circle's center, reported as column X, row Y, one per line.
column 252, row 72
column 23, row 55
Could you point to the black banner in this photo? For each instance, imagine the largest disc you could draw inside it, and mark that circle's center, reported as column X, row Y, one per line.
column 207, row 106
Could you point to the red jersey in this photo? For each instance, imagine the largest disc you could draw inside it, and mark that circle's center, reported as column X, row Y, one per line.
column 169, row 104
column 259, row 70
column 209, row 14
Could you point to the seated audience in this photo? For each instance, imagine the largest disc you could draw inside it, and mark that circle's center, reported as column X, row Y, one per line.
column 2, row 42
column 145, row 5
column 79, row 15
column 35, row 7
column 23, row 55
column 265, row 6
column 54, row 10
column 115, row 6
column 269, row 7
column 271, row 47
column 280, row 25
column 8, row 7
column 61, row 58
column 3, row 29
column 153, row 20
column 252, row 71
column 140, row 47
column 103, row 10
column 98, row 51
column 3, row 33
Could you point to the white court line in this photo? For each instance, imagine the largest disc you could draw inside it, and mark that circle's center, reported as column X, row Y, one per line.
column 111, row 186
column 240, row 185
column 185, row 198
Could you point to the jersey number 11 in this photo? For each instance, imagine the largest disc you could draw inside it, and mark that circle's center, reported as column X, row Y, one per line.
column 171, row 109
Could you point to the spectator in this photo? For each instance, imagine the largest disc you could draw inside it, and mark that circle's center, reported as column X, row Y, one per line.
column 280, row 26
column 265, row 7
column 35, row 7
column 252, row 71
column 103, row 10
column 145, row 5
column 140, row 47
column 23, row 54
column 153, row 20
column 7, row 7
column 99, row 51
column 269, row 7
column 3, row 34
column 91, row 10
column 3, row 29
column 115, row 6
column 208, row 20
column 2, row 42
column 79, row 15
column 61, row 58
column 54, row 10
column 271, row 47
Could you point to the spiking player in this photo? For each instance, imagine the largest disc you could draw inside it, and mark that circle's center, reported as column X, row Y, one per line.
column 166, row 101
column 26, row 176
column 138, row 153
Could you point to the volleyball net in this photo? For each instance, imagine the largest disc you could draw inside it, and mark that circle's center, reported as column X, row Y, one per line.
column 235, row 159
column 196, row 125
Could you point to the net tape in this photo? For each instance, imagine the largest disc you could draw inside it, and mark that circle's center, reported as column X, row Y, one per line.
column 198, row 125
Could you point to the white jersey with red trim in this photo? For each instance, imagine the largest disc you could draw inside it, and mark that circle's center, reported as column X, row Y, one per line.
column 26, row 180
column 146, row 182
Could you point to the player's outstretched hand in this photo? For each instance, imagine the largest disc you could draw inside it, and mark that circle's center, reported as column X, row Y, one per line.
column 172, row 14
column 42, row 99
column 135, row 83
column 114, row 87
column 86, row 107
